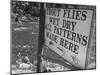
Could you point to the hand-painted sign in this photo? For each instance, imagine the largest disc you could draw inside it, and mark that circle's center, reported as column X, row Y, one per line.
column 67, row 32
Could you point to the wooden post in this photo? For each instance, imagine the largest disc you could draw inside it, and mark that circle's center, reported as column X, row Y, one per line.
column 41, row 37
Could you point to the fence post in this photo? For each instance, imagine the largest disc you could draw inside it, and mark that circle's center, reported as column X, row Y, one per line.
column 41, row 37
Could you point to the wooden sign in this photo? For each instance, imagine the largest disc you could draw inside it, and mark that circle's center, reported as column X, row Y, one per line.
column 67, row 32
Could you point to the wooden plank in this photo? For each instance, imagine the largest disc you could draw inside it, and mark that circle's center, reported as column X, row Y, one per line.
column 90, row 43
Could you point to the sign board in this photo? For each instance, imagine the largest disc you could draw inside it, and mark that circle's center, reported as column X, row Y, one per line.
column 67, row 32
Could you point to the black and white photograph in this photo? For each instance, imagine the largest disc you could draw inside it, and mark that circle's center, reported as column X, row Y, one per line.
column 51, row 37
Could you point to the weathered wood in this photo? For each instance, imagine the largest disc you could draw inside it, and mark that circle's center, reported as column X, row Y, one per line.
column 41, row 37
